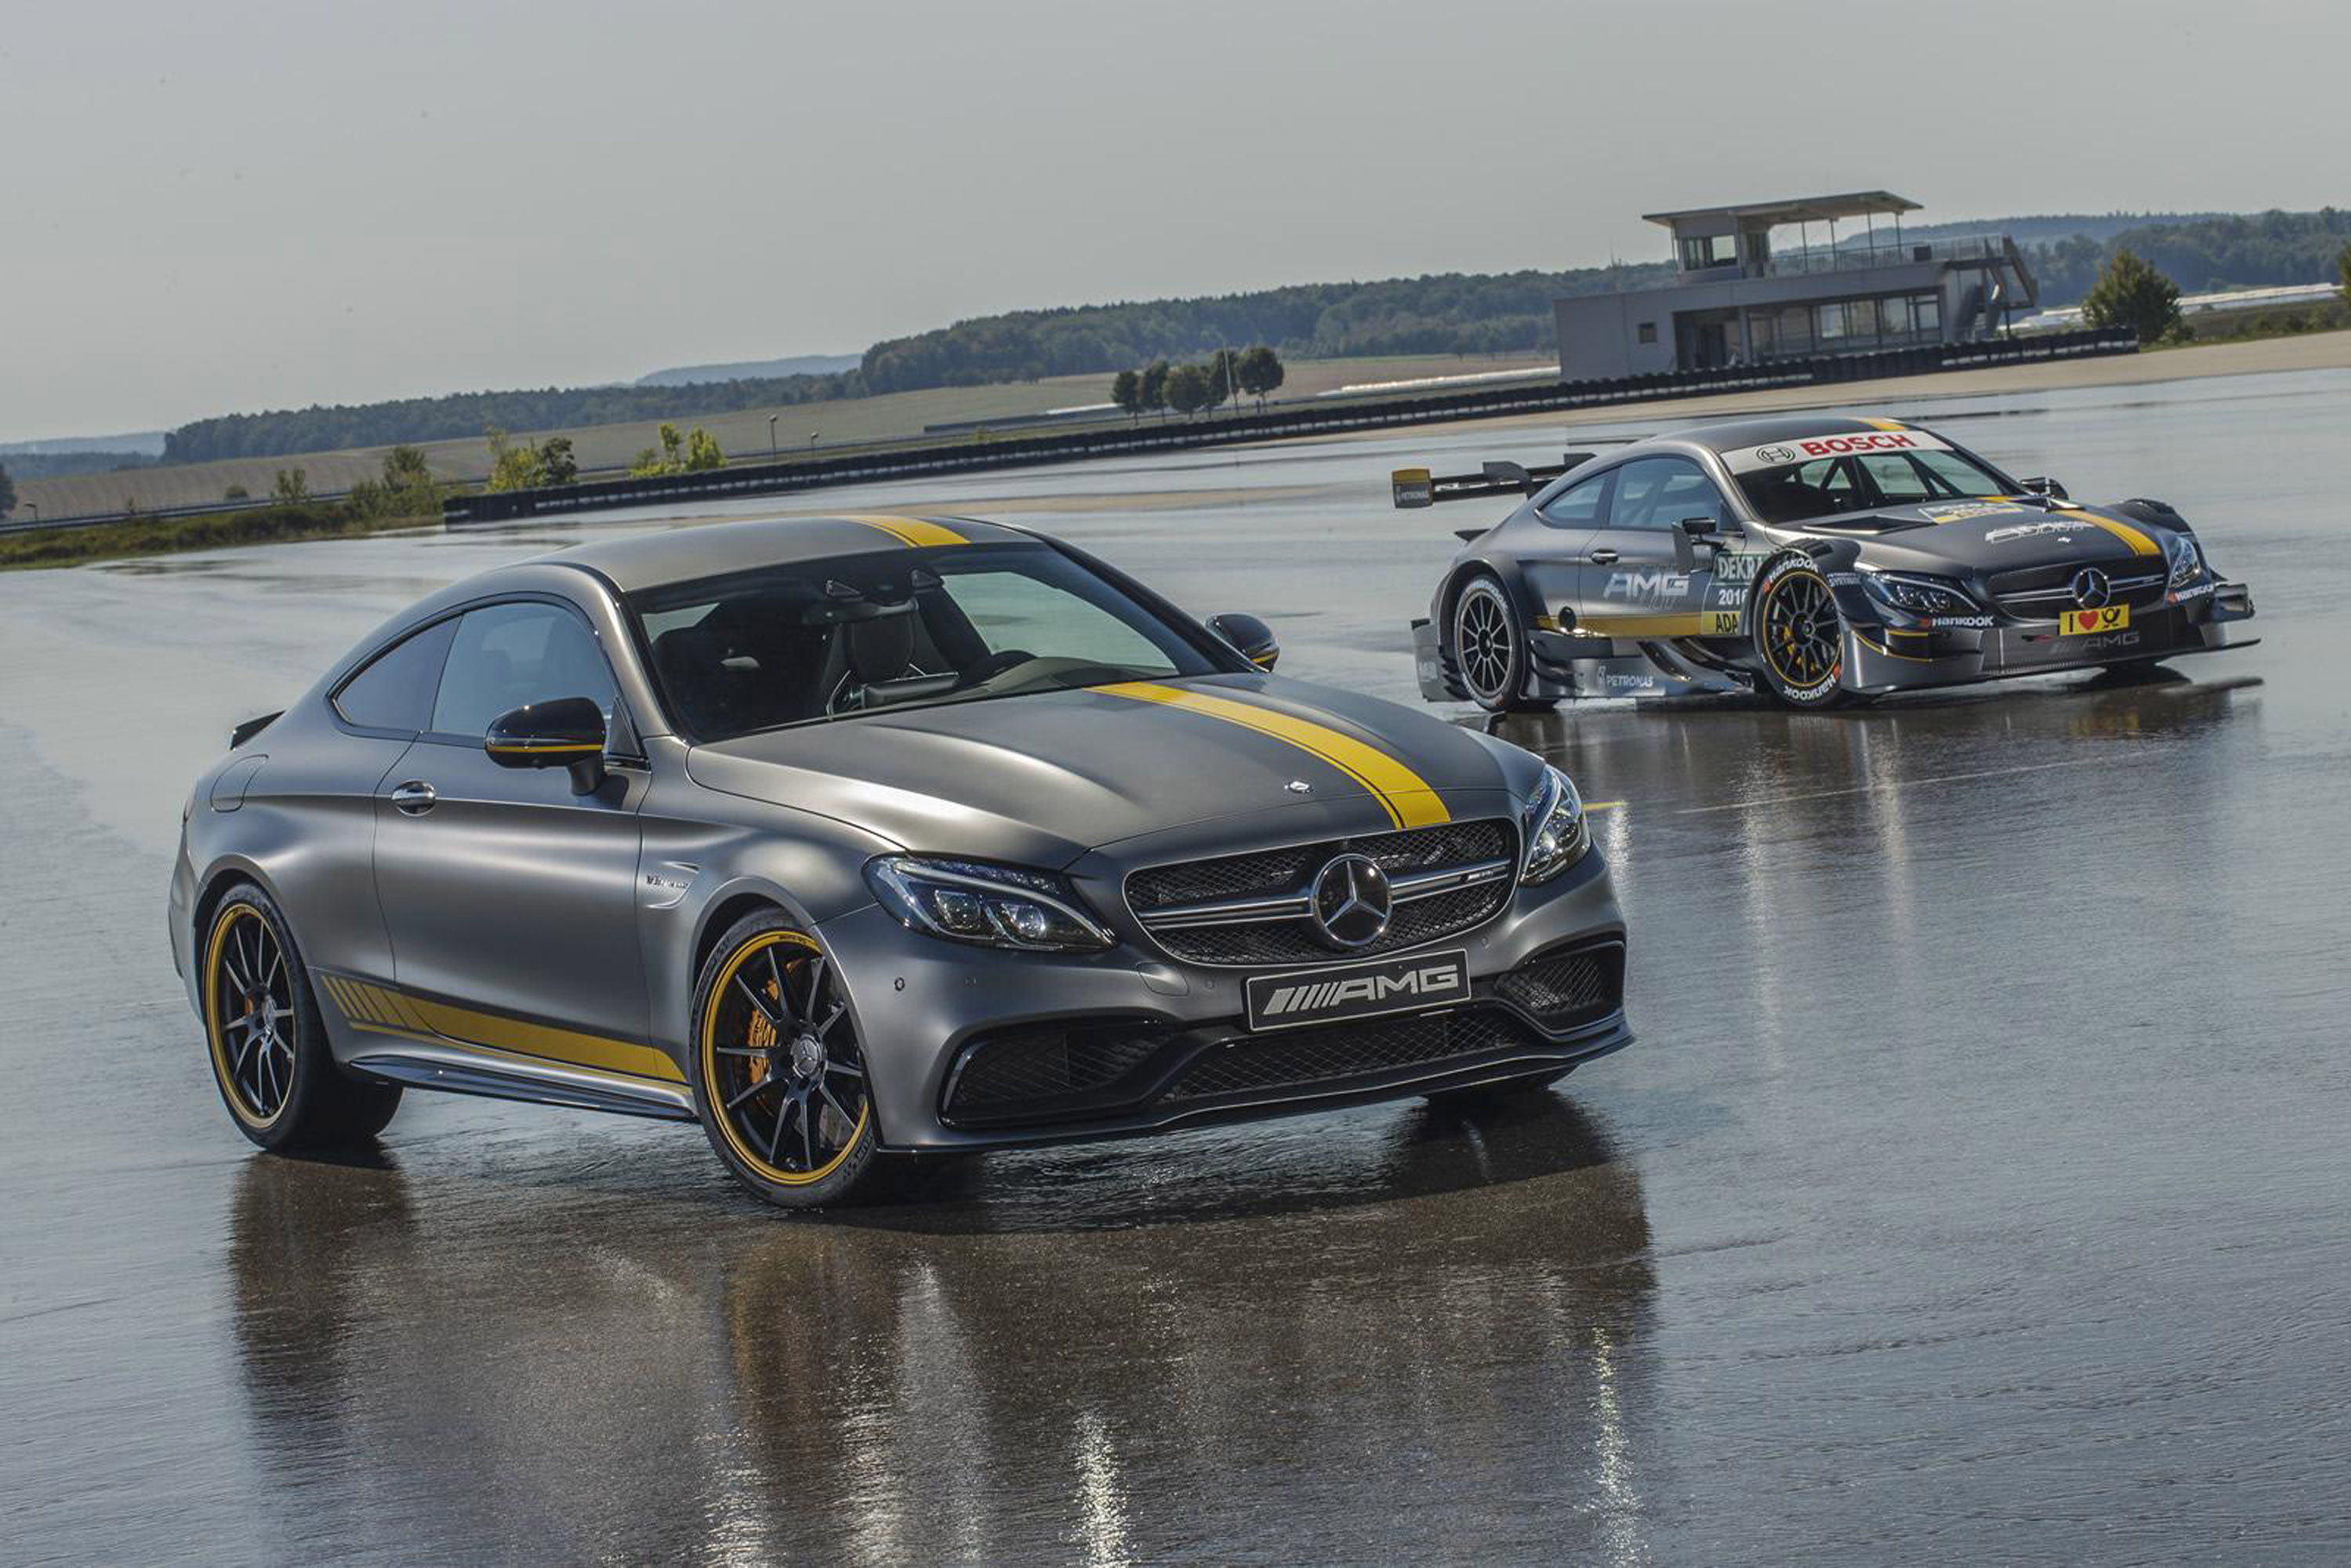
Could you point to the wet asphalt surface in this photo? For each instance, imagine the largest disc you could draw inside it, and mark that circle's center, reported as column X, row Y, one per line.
column 1976, row 1192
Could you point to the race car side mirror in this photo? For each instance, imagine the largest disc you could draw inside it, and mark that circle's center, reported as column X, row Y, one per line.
column 2044, row 486
column 566, row 733
column 1687, row 533
column 1251, row 637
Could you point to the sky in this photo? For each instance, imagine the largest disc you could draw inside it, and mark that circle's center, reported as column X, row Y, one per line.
column 234, row 205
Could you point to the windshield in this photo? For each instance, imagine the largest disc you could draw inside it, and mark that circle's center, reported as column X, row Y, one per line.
column 855, row 634
column 1820, row 488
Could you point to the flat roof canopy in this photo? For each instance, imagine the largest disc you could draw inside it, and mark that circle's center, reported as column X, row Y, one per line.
column 1803, row 210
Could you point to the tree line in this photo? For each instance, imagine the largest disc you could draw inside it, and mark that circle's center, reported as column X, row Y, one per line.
column 1187, row 389
column 1451, row 313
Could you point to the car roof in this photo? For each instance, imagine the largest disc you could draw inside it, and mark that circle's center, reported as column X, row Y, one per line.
column 1738, row 435
column 715, row 549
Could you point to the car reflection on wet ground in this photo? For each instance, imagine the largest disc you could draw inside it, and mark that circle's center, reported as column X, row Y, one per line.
column 1975, row 1190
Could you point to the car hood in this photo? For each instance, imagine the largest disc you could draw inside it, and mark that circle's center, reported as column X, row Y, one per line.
column 1041, row 779
column 1945, row 537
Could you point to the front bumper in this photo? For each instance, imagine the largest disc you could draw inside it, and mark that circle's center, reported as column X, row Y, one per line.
column 922, row 1005
column 1881, row 659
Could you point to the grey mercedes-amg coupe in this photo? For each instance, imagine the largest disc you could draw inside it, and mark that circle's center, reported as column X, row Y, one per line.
column 866, row 838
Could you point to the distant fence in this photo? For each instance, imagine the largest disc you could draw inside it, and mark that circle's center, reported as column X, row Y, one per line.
column 1016, row 452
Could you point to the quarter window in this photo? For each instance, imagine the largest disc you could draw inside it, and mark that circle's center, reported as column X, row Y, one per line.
column 505, row 656
column 395, row 691
column 1577, row 506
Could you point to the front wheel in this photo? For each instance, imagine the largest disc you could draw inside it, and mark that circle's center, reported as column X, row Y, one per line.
column 1799, row 634
column 268, row 1042
column 779, row 1077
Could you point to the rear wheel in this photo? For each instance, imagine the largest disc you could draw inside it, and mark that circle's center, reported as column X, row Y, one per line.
column 1489, row 646
column 1799, row 634
column 268, row 1042
column 778, row 1076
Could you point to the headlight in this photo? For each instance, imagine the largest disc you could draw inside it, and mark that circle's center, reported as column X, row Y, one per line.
column 1918, row 595
column 2187, row 560
column 997, row 906
column 1554, row 829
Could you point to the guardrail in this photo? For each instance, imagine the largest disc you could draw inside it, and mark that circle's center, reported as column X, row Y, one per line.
column 1018, row 452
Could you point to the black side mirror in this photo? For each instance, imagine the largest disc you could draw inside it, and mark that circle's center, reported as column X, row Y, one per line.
column 2044, row 486
column 566, row 733
column 1252, row 636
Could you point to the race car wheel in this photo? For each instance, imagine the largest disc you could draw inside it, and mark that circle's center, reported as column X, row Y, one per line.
column 1799, row 634
column 269, row 1044
column 1489, row 647
column 778, row 1078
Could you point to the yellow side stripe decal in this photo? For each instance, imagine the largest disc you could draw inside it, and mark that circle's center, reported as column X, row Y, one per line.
column 908, row 530
column 2140, row 543
column 1887, row 423
column 388, row 1011
column 1404, row 795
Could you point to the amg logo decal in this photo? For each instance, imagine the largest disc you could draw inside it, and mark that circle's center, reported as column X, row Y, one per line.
column 1437, row 982
column 1648, row 586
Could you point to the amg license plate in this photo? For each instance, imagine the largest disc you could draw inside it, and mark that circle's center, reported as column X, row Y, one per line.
column 1358, row 990
column 2087, row 622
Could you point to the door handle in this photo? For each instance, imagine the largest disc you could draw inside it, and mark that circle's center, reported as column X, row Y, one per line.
column 415, row 798
column 1602, row 557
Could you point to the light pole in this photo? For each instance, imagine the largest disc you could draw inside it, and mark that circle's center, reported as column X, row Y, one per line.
column 771, row 436
column 813, row 436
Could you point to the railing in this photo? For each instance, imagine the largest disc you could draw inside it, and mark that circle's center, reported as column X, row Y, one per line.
column 1887, row 253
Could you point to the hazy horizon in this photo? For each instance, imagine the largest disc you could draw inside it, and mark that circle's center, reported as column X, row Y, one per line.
column 271, row 205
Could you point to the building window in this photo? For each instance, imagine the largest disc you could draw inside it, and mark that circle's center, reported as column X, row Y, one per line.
column 1926, row 310
column 1831, row 317
column 1707, row 250
column 1646, row 332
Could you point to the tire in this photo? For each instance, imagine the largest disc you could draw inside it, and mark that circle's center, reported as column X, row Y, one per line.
column 266, row 1040
column 1489, row 646
column 1798, row 635
column 1509, row 1089
column 773, row 1038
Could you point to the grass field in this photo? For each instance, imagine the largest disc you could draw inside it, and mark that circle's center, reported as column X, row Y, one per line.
column 854, row 422
column 171, row 535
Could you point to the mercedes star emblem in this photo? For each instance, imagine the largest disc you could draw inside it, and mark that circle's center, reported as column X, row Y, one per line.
column 2091, row 589
column 1352, row 902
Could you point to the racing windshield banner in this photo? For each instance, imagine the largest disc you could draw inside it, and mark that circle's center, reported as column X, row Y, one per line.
column 1779, row 454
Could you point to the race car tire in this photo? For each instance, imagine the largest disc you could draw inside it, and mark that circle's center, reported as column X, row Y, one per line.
column 267, row 1039
column 1496, row 1093
column 1489, row 646
column 1798, row 634
column 777, row 1074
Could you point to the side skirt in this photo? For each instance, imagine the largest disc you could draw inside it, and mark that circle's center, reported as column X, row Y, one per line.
column 423, row 1066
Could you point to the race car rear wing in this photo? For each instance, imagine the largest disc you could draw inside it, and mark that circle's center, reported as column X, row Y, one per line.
column 1418, row 487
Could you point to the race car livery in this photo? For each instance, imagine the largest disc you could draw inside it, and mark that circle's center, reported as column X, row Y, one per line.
column 1813, row 558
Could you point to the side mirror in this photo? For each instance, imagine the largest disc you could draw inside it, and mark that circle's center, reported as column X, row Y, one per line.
column 566, row 733
column 1252, row 636
column 1687, row 534
column 2044, row 486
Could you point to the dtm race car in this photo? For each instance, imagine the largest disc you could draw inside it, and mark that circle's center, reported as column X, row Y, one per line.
column 1814, row 558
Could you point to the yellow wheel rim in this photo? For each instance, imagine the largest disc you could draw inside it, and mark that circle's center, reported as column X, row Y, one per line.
column 782, row 1075
column 249, row 1015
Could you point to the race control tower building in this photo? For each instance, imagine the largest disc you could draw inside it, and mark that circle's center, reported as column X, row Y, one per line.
column 1739, row 298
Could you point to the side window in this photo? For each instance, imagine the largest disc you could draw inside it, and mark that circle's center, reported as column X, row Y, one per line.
column 1658, row 492
column 1577, row 506
column 508, row 655
column 394, row 690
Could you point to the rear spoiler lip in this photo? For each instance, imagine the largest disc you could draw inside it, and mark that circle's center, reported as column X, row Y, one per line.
column 252, row 727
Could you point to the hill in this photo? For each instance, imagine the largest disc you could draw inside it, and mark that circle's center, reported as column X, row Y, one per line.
column 752, row 369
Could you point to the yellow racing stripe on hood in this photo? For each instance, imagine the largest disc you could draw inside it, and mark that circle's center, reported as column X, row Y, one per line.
column 2140, row 543
column 907, row 530
column 1404, row 795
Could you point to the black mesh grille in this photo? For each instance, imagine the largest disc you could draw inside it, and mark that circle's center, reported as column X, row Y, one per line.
column 1295, row 941
column 1301, row 1058
column 1568, row 989
column 1036, row 1066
